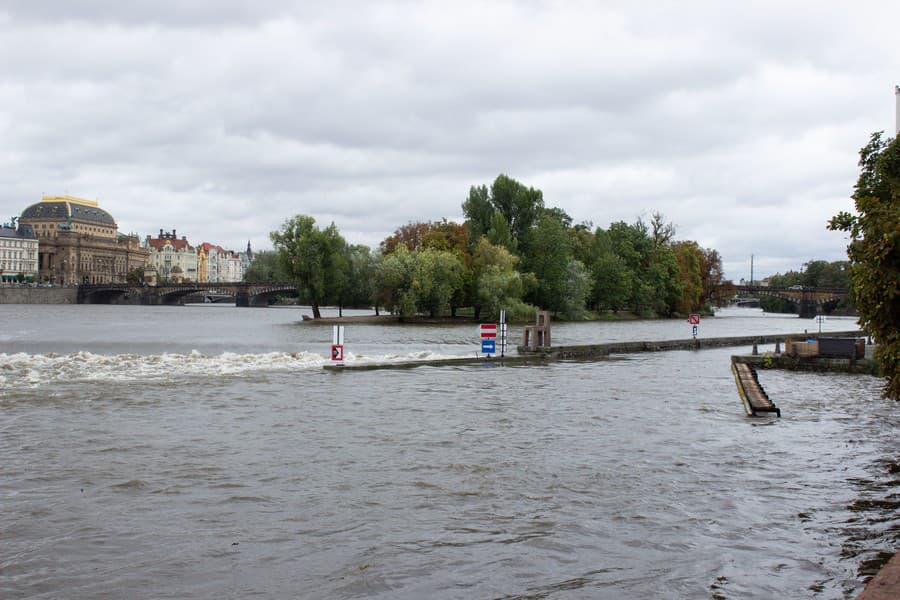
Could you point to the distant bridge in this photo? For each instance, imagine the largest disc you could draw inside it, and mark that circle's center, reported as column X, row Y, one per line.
column 244, row 294
column 810, row 300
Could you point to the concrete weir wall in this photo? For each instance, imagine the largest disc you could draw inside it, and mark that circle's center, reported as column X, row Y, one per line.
column 36, row 295
column 600, row 350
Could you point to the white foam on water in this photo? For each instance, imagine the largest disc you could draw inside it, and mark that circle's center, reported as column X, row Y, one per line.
column 35, row 370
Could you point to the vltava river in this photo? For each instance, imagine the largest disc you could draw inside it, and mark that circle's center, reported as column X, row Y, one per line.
column 202, row 452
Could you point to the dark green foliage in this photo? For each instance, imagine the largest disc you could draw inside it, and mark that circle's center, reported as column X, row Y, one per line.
column 265, row 268
column 314, row 259
column 874, row 251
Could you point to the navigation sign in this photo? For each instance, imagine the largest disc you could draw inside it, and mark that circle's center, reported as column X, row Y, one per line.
column 695, row 330
column 337, row 343
column 694, row 319
column 489, row 346
column 488, row 330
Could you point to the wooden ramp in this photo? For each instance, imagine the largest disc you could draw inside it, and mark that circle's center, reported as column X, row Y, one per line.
column 754, row 397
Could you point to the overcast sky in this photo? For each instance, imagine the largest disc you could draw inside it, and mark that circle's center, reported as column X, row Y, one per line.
column 739, row 122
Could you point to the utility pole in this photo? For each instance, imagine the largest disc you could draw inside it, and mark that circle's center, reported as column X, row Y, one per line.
column 751, row 270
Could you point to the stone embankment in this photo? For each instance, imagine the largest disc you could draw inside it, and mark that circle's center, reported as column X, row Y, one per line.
column 38, row 295
column 886, row 584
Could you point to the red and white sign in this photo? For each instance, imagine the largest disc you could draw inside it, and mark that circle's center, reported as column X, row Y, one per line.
column 694, row 319
column 337, row 352
column 488, row 330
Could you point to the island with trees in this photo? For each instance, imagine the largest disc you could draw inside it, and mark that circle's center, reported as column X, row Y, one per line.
column 512, row 252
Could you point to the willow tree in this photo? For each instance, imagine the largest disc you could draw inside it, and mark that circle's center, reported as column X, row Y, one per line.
column 874, row 252
column 313, row 258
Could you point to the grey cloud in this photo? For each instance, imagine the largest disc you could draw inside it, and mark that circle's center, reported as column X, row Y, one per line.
column 224, row 118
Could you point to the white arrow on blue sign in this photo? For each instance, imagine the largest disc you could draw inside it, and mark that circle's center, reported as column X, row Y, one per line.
column 489, row 346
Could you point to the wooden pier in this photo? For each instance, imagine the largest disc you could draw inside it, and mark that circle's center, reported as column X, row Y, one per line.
column 756, row 401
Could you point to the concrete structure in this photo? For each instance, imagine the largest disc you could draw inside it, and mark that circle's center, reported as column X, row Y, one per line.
column 18, row 252
column 245, row 294
column 811, row 301
column 173, row 260
column 897, row 120
column 24, row 294
column 78, row 242
column 886, row 583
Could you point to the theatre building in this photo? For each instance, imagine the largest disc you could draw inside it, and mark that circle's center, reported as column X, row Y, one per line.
column 79, row 242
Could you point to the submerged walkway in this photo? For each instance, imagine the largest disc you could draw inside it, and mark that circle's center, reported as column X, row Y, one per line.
column 754, row 397
column 589, row 352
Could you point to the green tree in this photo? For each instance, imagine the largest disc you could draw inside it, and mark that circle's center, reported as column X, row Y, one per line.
column 874, row 251
column 517, row 206
column 577, row 291
column 520, row 206
column 497, row 283
column 313, row 259
column 395, row 275
column 478, row 211
column 439, row 280
column 265, row 268
column 135, row 276
column 359, row 289
column 549, row 261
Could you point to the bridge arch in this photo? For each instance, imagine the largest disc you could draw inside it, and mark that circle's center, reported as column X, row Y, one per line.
column 809, row 300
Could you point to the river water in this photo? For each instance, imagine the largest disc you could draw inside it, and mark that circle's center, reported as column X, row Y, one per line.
column 202, row 452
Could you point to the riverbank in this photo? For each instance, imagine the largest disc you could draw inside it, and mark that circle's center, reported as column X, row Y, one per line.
column 460, row 320
column 861, row 366
column 23, row 294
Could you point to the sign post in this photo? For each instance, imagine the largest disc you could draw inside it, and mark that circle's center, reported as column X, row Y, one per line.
column 502, row 333
column 337, row 344
column 694, row 320
column 488, row 338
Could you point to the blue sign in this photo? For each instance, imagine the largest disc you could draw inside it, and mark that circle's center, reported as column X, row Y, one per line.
column 489, row 346
column 695, row 331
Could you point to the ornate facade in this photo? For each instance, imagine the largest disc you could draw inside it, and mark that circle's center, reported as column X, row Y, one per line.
column 18, row 253
column 79, row 242
column 173, row 259
column 218, row 265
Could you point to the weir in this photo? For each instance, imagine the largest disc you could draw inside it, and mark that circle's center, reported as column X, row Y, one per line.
column 591, row 352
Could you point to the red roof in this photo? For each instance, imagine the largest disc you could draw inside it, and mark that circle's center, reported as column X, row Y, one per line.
column 179, row 245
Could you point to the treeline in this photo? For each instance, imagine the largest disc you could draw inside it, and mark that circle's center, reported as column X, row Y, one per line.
column 512, row 252
column 815, row 273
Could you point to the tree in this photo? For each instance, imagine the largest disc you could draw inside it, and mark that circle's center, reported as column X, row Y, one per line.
column 715, row 290
column 517, row 206
column 497, row 283
column 439, row 279
column 520, row 206
column 440, row 235
column 691, row 266
column 265, row 268
column 395, row 275
column 874, row 251
column 358, row 289
column 135, row 276
column 478, row 211
column 312, row 258
column 577, row 291
column 549, row 261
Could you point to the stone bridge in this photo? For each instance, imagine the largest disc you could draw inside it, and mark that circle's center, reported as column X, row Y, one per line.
column 810, row 300
column 244, row 294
